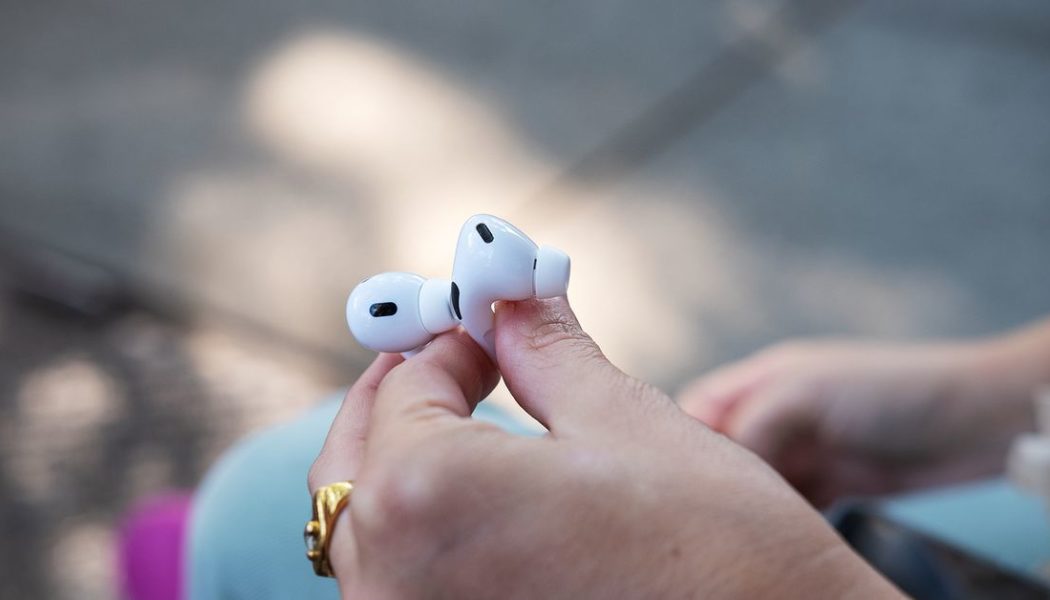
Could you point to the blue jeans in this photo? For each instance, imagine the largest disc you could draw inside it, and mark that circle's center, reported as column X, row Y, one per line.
column 246, row 525
column 246, row 543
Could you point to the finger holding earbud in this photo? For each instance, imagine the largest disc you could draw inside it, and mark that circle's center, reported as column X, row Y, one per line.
column 556, row 371
column 439, row 388
column 343, row 452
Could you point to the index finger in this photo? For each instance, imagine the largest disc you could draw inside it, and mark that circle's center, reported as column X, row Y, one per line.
column 341, row 454
column 440, row 385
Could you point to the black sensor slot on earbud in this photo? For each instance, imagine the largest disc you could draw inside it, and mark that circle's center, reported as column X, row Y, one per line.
column 483, row 231
column 455, row 300
column 383, row 309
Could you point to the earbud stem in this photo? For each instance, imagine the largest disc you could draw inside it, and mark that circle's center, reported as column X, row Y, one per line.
column 479, row 322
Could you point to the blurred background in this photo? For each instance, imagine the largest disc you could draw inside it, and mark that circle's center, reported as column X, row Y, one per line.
column 189, row 190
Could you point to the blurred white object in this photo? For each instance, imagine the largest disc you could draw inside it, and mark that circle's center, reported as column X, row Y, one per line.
column 1028, row 464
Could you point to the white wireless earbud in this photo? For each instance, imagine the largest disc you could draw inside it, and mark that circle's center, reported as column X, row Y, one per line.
column 400, row 312
column 496, row 261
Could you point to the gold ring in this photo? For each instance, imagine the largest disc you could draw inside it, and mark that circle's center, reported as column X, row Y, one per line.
column 329, row 501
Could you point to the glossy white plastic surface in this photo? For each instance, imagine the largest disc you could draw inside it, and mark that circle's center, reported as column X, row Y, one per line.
column 552, row 272
column 496, row 261
column 435, row 308
column 403, row 330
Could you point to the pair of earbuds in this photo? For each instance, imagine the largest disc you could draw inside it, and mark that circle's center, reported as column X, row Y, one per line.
column 402, row 312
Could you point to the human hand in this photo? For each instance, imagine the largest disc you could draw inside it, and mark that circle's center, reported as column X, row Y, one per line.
column 839, row 417
column 626, row 497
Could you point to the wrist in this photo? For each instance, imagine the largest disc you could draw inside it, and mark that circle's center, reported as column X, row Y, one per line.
column 802, row 557
column 830, row 569
column 844, row 574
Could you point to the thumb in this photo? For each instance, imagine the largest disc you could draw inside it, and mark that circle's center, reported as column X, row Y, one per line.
column 439, row 386
column 552, row 368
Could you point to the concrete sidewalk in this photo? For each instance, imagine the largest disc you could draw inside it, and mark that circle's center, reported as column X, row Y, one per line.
column 232, row 158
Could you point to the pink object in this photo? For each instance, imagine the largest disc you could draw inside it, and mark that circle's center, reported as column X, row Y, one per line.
column 152, row 537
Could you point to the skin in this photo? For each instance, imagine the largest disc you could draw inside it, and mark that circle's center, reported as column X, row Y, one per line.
column 841, row 418
column 627, row 496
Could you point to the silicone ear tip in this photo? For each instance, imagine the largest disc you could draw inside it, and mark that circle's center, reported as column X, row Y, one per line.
column 552, row 272
column 435, row 309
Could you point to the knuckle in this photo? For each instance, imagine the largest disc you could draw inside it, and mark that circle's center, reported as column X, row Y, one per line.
column 312, row 477
column 398, row 499
column 594, row 471
column 645, row 395
column 315, row 477
column 637, row 389
column 398, row 376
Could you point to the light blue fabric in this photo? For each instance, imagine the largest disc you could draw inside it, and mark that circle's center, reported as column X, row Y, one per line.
column 253, row 550
column 991, row 519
